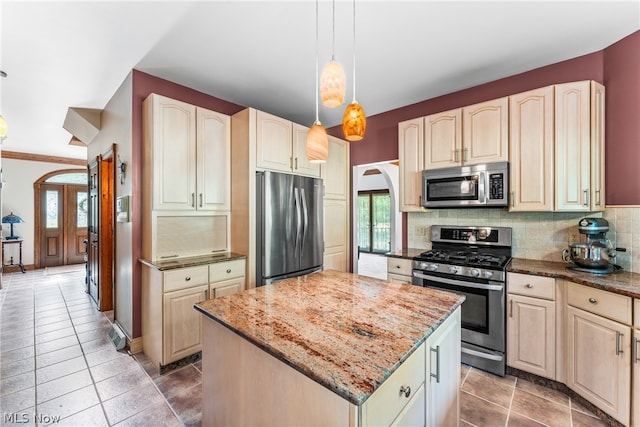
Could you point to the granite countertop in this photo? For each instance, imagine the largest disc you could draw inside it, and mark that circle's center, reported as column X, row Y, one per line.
column 173, row 263
column 620, row 282
column 407, row 253
column 347, row 332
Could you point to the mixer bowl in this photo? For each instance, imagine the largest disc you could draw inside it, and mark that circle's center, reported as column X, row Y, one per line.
column 588, row 255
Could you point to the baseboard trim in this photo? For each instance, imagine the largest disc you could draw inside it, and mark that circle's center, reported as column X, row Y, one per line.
column 135, row 345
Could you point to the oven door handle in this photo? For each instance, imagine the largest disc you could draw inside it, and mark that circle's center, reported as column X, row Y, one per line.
column 481, row 354
column 457, row 283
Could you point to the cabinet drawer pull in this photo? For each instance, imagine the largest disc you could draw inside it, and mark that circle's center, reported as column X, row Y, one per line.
column 456, row 155
column 593, row 300
column 437, row 374
column 586, row 197
column 200, row 199
column 597, row 197
column 228, row 270
column 510, row 308
column 634, row 350
column 296, row 163
column 405, row 390
column 529, row 285
column 618, row 345
column 513, row 199
column 193, row 200
column 188, row 278
column 464, row 155
column 397, row 266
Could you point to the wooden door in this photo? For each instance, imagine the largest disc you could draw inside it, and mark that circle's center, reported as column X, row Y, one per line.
column 274, row 140
column 443, row 139
column 411, row 152
column 52, row 220
column 76, row 219
column 484, row 132
column 93, row 256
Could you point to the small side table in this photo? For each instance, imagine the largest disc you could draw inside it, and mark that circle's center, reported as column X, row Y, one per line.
column 9, row 242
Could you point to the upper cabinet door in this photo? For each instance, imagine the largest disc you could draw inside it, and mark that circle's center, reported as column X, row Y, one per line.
column 531, row 147
column 301, row 165
column 335, row 172
column 274, row 137
column 443, row 139
column 214, row 160
column 171, row 128
column 597, row 147
column 573, row 146
column 411, row 156
column 485, row 132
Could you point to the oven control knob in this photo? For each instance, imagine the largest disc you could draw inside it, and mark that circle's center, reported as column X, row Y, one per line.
column 487, row 274
column 453, row 269
column 424, row 266
column 433, row 267
column 474, row 272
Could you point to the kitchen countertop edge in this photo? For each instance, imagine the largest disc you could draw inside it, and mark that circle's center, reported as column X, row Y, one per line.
column 195, row 261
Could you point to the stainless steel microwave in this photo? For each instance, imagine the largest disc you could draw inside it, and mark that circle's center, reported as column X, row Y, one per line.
column 485, row 185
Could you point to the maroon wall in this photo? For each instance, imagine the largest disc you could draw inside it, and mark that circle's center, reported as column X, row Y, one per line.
column 143, row 85
column 622, row 81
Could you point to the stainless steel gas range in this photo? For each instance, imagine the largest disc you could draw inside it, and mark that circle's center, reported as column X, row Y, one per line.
column 472, row 261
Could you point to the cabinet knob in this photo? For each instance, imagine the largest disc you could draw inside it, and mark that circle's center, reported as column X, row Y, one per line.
column 397, row 266
column 186, row 279
column 529, row 285
column 228, row 270
column 405, row 390
column 593, row 300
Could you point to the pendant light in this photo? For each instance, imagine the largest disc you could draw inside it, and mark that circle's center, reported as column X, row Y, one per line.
column 354, row 121
column 317, row 140
column 333, row 81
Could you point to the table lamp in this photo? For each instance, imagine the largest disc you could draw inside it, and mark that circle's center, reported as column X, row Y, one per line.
column 11, row 219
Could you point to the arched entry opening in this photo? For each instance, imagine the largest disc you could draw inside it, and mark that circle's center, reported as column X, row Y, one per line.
column 61, row 218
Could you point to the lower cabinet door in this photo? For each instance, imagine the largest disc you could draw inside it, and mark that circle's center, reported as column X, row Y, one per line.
column 182, row 324
column 531, row 335
column 635, row 382
column 599, row 362
column 413, row 413
column 228, row 287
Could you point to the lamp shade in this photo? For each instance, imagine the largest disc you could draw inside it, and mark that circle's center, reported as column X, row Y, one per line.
column 3, row 128
column 333, row 84
column 11, row 219
column 317, row 144
column 354, row 122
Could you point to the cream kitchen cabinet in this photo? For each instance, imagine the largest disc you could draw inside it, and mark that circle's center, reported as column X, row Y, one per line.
column 531, row 324
column 598, row 345
column 635, row 360
column 399, row 269
column 411, row 155
column 335, row 176
column 226, row 278
column 187, row 156
column 531, row 150
column 485, row 137
column 443, row 373
column 171, row 328
column 443, row 139
column 281, row 146
column 579, row 146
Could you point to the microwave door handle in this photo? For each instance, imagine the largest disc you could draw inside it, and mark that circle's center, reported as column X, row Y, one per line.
column 460, row 284
column 482, row 188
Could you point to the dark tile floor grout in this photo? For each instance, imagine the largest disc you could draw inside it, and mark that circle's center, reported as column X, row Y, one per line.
column 56, row 361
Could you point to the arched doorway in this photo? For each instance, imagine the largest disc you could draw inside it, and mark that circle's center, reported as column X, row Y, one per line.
column 61, row 218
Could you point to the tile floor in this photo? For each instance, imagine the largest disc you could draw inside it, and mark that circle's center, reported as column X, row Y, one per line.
column 58, row 367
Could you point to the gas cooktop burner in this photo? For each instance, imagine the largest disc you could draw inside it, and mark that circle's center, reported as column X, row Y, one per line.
column 464, row 257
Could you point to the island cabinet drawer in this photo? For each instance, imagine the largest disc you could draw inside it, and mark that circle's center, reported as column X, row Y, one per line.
column 531, row 286
column 399, row 266
column 607, row 304
column 399, row 390
column 220, row 271
column 183, row 278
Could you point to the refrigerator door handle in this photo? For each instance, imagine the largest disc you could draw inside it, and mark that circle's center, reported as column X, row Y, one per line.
column 305, row 217
column 296, row 196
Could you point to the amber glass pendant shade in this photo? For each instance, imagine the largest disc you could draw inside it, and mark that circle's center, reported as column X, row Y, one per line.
column 354, row 122
column 333, row 84
column 317, row 144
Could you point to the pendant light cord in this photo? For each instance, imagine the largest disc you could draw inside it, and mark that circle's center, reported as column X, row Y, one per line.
column 354, row 51
column 333, row 43
column 317, row 90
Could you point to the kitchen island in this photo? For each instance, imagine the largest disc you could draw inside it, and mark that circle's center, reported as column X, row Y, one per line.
column 331, row 348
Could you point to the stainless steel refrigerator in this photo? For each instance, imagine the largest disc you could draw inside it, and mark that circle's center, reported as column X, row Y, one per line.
column 289, row 226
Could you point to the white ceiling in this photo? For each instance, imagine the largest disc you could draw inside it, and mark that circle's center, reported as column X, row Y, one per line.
column 262, row 54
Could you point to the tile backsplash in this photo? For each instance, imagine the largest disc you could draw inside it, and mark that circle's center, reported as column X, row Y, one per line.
column 536, row 235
